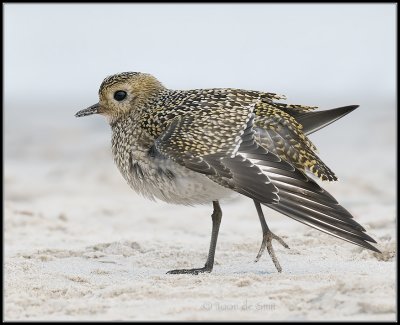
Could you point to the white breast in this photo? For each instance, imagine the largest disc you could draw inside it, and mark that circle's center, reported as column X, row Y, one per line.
column 170, row 182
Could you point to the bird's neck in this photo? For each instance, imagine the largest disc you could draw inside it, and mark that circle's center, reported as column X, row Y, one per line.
column 144, row 124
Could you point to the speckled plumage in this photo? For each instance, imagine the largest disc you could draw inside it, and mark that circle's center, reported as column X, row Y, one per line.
column 202, row 145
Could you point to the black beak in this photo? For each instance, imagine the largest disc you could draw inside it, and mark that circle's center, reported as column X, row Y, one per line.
column 94, row 109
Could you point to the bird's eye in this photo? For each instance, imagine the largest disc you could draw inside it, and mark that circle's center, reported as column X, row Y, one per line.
column 119, row 95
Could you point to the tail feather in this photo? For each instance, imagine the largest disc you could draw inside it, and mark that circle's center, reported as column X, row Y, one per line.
column 316, row 120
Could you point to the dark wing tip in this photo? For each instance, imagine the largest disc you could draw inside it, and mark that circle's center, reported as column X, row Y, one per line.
column 354, row 106
column 314, row 121
column 350, row 108
column 373, row 248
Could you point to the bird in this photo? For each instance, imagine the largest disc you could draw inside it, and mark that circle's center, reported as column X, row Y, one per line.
column 200, row 146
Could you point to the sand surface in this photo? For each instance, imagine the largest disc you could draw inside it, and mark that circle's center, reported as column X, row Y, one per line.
column 80, row 245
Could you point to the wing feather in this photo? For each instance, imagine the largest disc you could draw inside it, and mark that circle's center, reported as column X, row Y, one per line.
column 242, row 164
column 305, row 201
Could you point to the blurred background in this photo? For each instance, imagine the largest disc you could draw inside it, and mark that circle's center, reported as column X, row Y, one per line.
column 68, row 210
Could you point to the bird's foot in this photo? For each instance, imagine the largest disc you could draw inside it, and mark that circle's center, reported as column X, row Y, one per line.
column 191, row 271
column 267, row 242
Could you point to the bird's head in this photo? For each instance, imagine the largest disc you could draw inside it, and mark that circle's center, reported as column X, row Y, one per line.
column 122, row 93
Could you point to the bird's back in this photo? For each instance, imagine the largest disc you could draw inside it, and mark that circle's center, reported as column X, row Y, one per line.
column 218, row 115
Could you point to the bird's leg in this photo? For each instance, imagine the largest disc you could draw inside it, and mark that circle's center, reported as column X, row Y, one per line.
column 268, row 236
column 216, row 221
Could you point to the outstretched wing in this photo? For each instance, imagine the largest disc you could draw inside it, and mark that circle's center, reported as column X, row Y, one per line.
column 245, row 166
column 301, row 198
column 304, row 200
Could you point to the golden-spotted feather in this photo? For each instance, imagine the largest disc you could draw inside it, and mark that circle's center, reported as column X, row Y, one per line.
column 279, row 132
